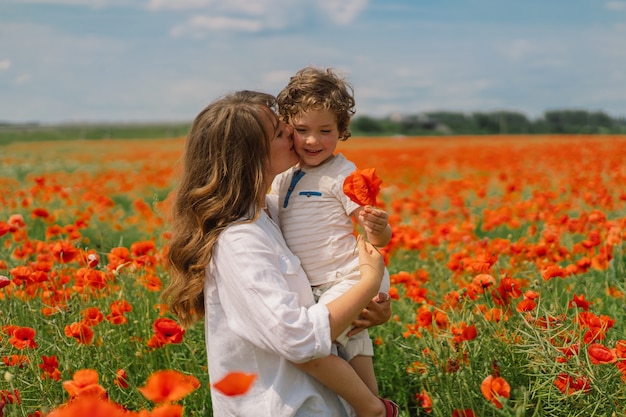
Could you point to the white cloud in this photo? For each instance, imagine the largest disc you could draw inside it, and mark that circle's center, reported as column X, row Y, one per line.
column 255, row 16
column 178, row 4
column 274, row 81
column 246, row 7
column 343, row 12
column 198, row 25
column 518, row 49
column 5, row 64
column 616, row 5
column 22, row 79
column 94, row 4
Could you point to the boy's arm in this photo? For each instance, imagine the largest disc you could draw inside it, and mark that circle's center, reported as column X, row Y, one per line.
column 375, row 223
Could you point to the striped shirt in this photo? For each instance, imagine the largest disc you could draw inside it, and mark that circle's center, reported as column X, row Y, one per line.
column 315, row 218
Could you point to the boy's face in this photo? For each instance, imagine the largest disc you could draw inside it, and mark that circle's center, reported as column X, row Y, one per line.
column 315, row 136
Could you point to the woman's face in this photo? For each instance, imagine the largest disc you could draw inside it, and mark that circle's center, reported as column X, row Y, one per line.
column 282, row 152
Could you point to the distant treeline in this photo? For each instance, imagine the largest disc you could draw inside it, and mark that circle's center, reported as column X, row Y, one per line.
column 492, row 123
column 431, row 123
column 33, row 132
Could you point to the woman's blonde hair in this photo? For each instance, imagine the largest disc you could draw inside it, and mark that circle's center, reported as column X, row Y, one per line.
column 223, row 181
column 313, row 88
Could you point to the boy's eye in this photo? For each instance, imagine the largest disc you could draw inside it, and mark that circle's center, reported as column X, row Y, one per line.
column 325, row 131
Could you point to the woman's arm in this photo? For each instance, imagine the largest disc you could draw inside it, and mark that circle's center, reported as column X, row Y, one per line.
column 376, row 312
column 346, row 308
column 267, row 299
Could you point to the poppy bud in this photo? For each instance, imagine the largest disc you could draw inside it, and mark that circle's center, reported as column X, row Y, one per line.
column 92, row 260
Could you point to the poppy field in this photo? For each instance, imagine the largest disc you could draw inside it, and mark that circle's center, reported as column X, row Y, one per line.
column 507, row 263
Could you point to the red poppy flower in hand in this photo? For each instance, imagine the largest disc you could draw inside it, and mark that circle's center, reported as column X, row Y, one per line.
column 362, row 186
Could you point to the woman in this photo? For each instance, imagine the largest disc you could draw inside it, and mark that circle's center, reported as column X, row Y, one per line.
column 230, row 264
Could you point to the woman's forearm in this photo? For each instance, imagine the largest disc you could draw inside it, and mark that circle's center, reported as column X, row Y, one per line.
column 344, row 309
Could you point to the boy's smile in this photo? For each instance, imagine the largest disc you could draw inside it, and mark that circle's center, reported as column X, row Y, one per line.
column 315, row 136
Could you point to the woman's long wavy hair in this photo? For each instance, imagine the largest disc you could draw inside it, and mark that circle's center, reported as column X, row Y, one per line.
column 223, row 181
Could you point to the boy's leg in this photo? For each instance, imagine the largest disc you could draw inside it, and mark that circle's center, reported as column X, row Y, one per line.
column 359, row 352
column 364, row 367
column 337, row 375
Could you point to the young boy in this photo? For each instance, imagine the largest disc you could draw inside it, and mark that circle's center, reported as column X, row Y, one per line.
column 315, row 215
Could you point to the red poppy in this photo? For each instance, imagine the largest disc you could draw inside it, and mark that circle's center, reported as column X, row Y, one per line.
column 21, row 274
column 118, row 309
column 118, row 257
column 483, row 281
column 121, row 307
column 169, row 386
column 92, row 278
column 494, row 388
column 64, row 251
column 165, row 410
column 8, row 397
column 16, row 220
column 50, row 368
column 166, row 331
column 620, row 348
column 468, row 412
column 552, row 271
column 40, row 212
column 93, row 260
column 121, row 378
column 92, row 316
column 4, row 228
column 425, row 401
column 235, row 383
column 579, row 301
column 568, row 385
column 81, row 332
column 23, row 337
column 482, row 263
column 424, row 317
column 85, row 384
column 362, row 186
column 115, row 318
column 4, row 281
column 151, row 282
column 142, row 248
column 16, row 360
column 463, row 332
column 600, row 354
column 89, row 406
column 526, row 305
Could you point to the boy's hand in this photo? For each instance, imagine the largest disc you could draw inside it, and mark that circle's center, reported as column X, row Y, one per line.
column 373, row 220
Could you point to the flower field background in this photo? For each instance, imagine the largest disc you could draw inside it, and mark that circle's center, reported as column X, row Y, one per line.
column 508, row 268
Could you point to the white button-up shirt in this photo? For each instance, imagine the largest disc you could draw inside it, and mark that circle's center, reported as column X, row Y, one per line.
column 260, row 315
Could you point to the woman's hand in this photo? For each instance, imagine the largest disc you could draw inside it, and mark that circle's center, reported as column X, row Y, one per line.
column 371, row 263
column 378, row 311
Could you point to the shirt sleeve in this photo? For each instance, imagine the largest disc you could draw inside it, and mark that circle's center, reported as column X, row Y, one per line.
column 337, row 189
column 260, row 302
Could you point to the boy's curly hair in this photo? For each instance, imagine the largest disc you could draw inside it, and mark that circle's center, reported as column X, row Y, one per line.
column 314, row 88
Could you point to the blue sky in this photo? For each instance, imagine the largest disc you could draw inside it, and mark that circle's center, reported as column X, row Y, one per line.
column 164, row 60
